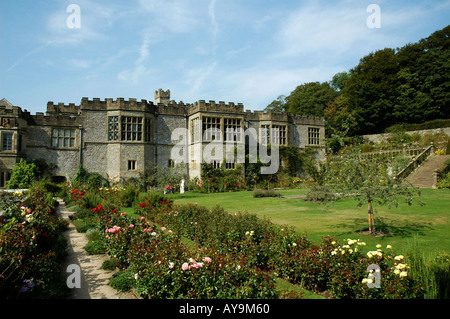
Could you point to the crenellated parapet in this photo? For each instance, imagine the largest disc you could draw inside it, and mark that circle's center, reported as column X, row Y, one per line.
column 61, row 108
column 295, row 119
column 119, row 104
column 172, row 108
column 56, row 120
column 216, row 107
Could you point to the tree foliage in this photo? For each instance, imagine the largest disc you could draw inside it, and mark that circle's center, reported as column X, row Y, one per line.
column 23, row 175
column 367, row 182
column 389, row 86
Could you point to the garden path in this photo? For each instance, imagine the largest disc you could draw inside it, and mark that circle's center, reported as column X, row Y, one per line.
column 94, row 280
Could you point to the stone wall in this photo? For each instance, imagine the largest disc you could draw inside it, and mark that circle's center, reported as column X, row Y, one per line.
column 377, row 138
column 112, row 158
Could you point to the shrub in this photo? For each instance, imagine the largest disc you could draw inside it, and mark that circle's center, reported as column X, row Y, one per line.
column 122, row 281
column 440, row 268
column 23, row 175
column 320, row 195
column 90, row 200
column 82, row 225
column 444, row 182
column 111, row 264
column 93, row 234
column 265, row 193
column 128, row 196
column 95, row 247
column 32, row 248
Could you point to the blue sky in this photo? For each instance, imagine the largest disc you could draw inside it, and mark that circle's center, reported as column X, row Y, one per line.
column 247, row 51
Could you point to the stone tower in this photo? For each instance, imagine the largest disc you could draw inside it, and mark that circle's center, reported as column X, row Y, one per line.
column 162, row 96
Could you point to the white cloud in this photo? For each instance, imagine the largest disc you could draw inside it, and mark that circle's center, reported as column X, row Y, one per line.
column 178, row 16
column 315, row 28
column 24, row 57
column 197, row 76
column 212, row 17
column 94, row 20
column 140, row 70
column 263, row 85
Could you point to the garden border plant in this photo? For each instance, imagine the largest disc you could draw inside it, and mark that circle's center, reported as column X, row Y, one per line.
column 246, row 243
column 32, row 246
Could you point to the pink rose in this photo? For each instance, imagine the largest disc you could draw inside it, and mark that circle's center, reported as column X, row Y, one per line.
column 207, row 260
column 185, row 267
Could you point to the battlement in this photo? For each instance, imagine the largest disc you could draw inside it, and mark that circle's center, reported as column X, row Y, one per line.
column 162, row 96
column 61, row 108
column 10, row 110
column 213, row 106
column 109, row 104
column 69, row 120
column 283, row 117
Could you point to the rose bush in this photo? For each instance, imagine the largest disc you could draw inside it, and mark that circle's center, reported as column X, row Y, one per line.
column 330, row 266
column 31, row 245
column 239, row 255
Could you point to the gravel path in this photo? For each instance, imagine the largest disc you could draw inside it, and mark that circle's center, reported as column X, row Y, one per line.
column 94, row 280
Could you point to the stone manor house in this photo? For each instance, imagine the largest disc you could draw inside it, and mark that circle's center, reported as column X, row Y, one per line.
column 123, row 138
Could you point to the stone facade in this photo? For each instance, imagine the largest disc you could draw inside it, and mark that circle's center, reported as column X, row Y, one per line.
column 123, row 138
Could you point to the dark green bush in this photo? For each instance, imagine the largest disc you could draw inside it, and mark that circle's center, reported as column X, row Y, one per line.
column 318, row 195
column 90, row 200
column 265, row 193
column 122, row 281
column 95, row 247
column 111, row 264
column 23, row 175
column 82, row 225
column 440, row 268
column 129, row 196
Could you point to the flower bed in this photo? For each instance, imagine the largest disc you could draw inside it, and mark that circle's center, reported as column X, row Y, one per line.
column 164, row 267
column 340, row 269
column 238, row 255
column 32, row 247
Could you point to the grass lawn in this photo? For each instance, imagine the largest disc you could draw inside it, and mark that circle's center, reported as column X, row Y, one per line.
column 428, row 227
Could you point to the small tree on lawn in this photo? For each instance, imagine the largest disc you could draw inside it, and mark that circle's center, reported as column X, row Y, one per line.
column 368, row 182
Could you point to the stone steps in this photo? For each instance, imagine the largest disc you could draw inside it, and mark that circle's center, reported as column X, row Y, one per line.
column 423, row 176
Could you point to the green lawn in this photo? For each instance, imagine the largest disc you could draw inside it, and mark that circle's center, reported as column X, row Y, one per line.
column 427, row 226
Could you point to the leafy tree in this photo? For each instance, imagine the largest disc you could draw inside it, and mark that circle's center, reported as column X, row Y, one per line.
column 371, row 90
column 404, row 85
column 310, row 99
column 23, row 175
column 340, row 118
column 278, row 105
column 367, row 182
column 339, row 80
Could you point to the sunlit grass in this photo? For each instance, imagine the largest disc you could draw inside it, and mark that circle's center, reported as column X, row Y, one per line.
column 427, row 225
